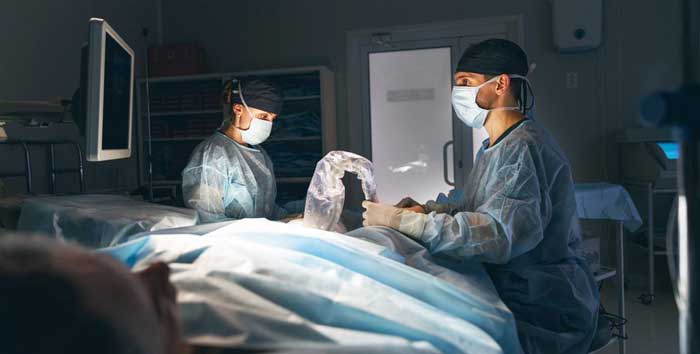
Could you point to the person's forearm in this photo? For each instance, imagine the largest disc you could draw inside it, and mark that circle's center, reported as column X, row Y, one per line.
column 466, row 236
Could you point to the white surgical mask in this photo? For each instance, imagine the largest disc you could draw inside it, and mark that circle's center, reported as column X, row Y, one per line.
column 259, row 129
column 468, row 111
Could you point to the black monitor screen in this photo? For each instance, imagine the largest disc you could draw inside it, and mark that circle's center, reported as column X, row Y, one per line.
column 117, row 89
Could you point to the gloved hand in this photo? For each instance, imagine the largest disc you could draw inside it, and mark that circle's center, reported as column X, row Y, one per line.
column 446, row 204
column 403, row 220
column 410, row 204
column 439, row 208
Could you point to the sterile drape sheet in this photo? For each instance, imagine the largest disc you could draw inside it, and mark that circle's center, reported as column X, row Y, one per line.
column 98, row 220
column 268, row 285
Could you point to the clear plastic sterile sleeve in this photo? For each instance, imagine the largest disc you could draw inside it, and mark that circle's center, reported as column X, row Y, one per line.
column 326, row 194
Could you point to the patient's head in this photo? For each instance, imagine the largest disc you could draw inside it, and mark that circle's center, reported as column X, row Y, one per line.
column 56, row 298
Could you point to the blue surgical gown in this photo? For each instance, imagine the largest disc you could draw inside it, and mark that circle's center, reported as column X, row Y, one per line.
column 519, row 218
column 226, row 180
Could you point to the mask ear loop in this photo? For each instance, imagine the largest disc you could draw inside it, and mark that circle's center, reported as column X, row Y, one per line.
column 531, row 69
column 525, row 87
column 522, row 103
column 240, row 93
column 532, row 94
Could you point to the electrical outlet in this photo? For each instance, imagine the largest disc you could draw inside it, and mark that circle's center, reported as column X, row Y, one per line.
column 571, row 80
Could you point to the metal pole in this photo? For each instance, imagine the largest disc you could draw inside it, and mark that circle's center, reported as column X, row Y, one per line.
column 80, row 167
column 148, row 126
column 650, row 242
column 678, row 110
column 621, row 286
column 52, row 161
column 691, row 41
column 688, row 197
column 27, row 168
column 689, row 247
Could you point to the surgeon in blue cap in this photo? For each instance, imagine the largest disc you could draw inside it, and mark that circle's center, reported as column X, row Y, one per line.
column 518, row 212
column 229, row 176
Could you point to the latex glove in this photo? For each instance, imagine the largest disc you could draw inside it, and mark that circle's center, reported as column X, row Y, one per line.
column 405, row 221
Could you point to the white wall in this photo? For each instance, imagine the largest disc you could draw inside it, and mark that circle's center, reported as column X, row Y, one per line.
column 41, row 42
column 40, row 60
column 642, row 51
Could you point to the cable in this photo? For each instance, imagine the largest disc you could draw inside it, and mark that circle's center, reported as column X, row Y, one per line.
column 532, row 94
column 616, row 322
column 148, row 123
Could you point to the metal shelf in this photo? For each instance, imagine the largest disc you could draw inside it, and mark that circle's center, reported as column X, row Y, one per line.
column 657, row 251
column 605, row 273
column 194, row 138
column 297, row 78
column 177, row 79
column 166, row 182
column 185, row 113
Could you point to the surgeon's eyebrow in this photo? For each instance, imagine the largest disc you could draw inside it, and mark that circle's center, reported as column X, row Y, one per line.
column 463, row 80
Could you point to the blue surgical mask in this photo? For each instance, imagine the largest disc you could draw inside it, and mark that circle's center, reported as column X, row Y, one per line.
column 468, row 110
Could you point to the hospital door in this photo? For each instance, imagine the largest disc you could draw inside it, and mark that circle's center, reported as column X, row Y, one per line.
column 418, row 147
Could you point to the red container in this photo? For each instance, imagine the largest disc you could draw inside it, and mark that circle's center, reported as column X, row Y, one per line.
column 175, row 60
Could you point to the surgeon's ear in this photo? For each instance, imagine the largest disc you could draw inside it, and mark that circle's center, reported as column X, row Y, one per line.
column 236, row 111
column 502, row 84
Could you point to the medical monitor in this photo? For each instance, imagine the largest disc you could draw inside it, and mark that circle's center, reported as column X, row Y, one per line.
column 670, row 149
column 109, row 93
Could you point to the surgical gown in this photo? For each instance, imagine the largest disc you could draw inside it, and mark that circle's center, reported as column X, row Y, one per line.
column 519, row 218
column 226, row 180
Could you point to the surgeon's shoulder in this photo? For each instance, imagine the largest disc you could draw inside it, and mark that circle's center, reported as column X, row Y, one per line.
column 266, row 156
column 537, row 140
column 523, row 137
column 212, row 147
